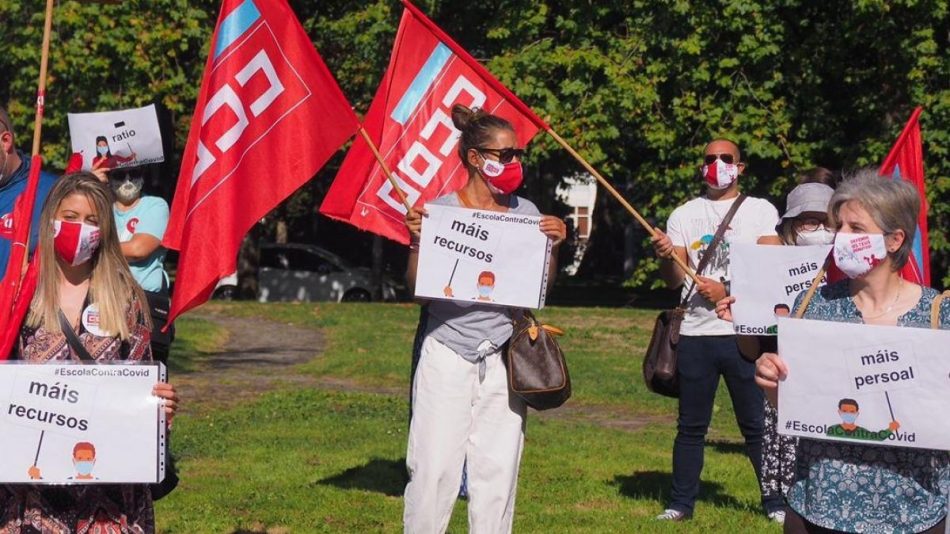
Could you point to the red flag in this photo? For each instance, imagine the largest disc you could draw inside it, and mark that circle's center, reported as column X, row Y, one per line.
column 269, row 115
column 410, row 121
column 906, row 162
column 12, row 290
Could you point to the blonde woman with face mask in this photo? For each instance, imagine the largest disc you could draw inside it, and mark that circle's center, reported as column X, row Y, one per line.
column 82, row 272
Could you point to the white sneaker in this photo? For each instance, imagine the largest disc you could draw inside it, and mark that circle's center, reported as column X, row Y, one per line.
column 778, row 516
column 672, row 515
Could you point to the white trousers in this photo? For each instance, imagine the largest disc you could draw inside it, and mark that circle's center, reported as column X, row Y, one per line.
column 457, row 418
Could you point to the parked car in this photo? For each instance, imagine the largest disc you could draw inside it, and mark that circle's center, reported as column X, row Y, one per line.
column 297, row 271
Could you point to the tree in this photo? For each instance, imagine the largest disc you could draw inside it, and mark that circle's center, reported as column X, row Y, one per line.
column 637, row 86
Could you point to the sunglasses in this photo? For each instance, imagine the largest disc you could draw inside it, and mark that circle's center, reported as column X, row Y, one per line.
column 709, row 159
column 121, row 176
column 505, row 155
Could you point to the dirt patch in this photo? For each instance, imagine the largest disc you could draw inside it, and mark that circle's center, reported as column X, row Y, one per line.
column 251, row 362
column 259, row 354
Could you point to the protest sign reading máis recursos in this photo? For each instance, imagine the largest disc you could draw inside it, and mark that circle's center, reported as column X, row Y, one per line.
column 865, row 383
column 483, row 257
column 66, row 424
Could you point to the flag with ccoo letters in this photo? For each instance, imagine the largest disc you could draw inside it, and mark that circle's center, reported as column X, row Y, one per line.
column 410, row 121
column 269, row 115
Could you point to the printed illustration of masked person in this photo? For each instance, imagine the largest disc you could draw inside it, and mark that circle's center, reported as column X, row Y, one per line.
column 84, row 459
column 780, row 310
column 848, row 410
column 104, row 159
column 486, row 283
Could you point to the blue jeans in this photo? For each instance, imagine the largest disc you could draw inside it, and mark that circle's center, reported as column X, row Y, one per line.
column 701, row 360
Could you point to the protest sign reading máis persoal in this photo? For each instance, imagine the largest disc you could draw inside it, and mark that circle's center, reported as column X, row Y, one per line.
column 766, row 279
column 873, row 384
column 73, row 423
column 483, row 257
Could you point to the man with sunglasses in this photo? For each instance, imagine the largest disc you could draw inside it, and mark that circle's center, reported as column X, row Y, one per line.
column 707, row 348
column 14, row 171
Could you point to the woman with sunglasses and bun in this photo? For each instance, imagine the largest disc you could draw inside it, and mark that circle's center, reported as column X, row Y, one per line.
column 462, row 410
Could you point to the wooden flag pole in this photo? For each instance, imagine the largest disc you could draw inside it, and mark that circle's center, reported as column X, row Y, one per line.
column 610, row 189
column 41, row 85
column 386, row 171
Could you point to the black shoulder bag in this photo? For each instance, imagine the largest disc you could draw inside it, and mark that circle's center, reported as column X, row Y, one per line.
column 659, row 364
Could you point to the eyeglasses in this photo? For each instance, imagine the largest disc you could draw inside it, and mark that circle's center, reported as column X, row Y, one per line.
column 726, row 158
column 505, row 155
column 810, row 224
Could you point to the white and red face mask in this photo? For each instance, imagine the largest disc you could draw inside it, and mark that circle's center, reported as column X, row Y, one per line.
column 857, row 254
column 504, row 178
column 75, row 242
column 719, row 174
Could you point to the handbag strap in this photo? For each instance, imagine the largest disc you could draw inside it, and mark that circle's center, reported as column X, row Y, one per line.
column 714, row 244
column 935, row 309
column 73, row 340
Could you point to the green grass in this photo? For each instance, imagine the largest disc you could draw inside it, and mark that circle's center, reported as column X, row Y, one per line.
column 329, row 461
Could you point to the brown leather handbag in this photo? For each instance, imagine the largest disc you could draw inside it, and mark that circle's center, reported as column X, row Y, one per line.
column 537, row 370
column 659, row 364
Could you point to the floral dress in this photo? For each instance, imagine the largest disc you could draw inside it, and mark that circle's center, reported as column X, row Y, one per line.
column 82, row 509
column 870, row 488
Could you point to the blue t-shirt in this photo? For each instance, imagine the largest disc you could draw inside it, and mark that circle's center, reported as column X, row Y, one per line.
column 8, row 195
column 148, row 216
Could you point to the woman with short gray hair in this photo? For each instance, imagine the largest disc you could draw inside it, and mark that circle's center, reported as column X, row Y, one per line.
column 867, row 488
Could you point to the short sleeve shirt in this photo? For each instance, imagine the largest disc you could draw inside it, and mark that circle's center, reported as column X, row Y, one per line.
column 149, row 216
column 692, row 226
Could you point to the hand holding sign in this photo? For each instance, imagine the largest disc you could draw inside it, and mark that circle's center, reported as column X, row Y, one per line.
column 479, row 256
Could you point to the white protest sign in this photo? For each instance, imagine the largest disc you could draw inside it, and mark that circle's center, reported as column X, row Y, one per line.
column 483, row 257
column 116, row 139
column 766, row 279
column 887, row 385
column 75, row 423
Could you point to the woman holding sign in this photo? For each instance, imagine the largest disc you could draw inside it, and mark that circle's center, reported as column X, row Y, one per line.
column 804, row 223
column 462, row 410
column 848, row 487
column 84, row 284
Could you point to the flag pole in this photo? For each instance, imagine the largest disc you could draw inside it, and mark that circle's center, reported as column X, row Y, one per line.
column 41, row 85
column 610, row 189
column 382, row 165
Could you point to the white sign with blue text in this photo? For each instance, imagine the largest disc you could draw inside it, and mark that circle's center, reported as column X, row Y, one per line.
column 883, row 385
column 482, row 257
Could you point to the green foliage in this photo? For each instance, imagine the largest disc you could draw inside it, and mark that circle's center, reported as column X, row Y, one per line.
column 637, row 86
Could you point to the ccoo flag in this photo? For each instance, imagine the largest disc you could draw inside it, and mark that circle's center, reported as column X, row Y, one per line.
column 906, row 162
column 269, row 114
column 410, row 121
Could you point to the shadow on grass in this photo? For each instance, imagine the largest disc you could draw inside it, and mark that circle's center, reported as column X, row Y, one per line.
column 727, row 447
column 388, row 477
column 655, row 485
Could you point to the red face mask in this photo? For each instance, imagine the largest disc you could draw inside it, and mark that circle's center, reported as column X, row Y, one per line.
column 75, row 242
column 504, row 178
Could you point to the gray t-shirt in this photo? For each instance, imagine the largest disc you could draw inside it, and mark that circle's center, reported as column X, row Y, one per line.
column 464, row 327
